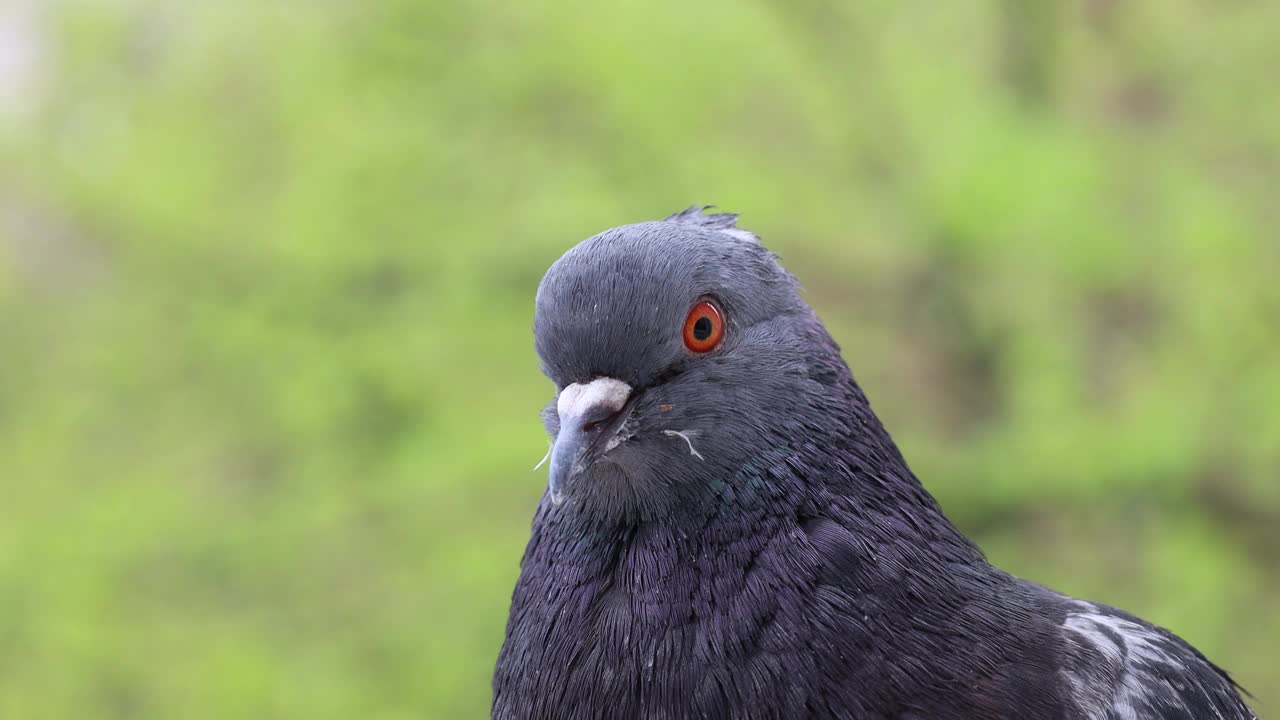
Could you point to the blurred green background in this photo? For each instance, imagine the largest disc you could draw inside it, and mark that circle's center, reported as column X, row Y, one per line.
column 268, row 397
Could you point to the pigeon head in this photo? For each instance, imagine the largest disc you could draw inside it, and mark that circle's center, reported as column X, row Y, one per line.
column 682, row 354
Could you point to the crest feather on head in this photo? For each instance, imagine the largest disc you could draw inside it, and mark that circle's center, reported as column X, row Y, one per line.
column 726, row 223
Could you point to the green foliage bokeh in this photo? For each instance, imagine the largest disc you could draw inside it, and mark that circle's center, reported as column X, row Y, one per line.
column 268, row 398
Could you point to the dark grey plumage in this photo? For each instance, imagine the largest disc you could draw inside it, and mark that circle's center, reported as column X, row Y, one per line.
column 734, row 535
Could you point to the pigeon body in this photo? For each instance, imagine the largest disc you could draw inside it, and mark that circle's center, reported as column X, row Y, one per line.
column 729, row 532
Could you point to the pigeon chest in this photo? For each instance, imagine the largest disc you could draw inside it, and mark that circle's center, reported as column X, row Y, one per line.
column 660, row 626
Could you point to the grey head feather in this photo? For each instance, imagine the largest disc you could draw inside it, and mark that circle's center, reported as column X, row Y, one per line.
column 726, row 223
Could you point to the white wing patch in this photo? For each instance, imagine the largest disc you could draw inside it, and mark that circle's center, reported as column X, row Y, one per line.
column 1127, row 677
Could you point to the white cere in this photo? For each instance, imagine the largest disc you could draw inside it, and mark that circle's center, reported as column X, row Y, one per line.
column 578, row 398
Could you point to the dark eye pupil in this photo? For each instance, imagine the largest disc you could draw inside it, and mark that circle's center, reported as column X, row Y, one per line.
column 702, row 328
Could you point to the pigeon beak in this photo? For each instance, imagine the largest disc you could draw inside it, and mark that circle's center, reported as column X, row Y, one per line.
column 589, row 413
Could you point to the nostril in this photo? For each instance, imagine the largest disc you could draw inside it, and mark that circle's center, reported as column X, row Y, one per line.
column 597, row 418
column 598, row 424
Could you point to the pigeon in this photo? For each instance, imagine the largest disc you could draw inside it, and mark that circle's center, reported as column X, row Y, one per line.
column 728, row 531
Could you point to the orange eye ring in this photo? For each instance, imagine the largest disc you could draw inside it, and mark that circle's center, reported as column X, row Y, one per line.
column 704, row 327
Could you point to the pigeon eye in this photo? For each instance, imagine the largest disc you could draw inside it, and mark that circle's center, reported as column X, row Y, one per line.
column 704, row 327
